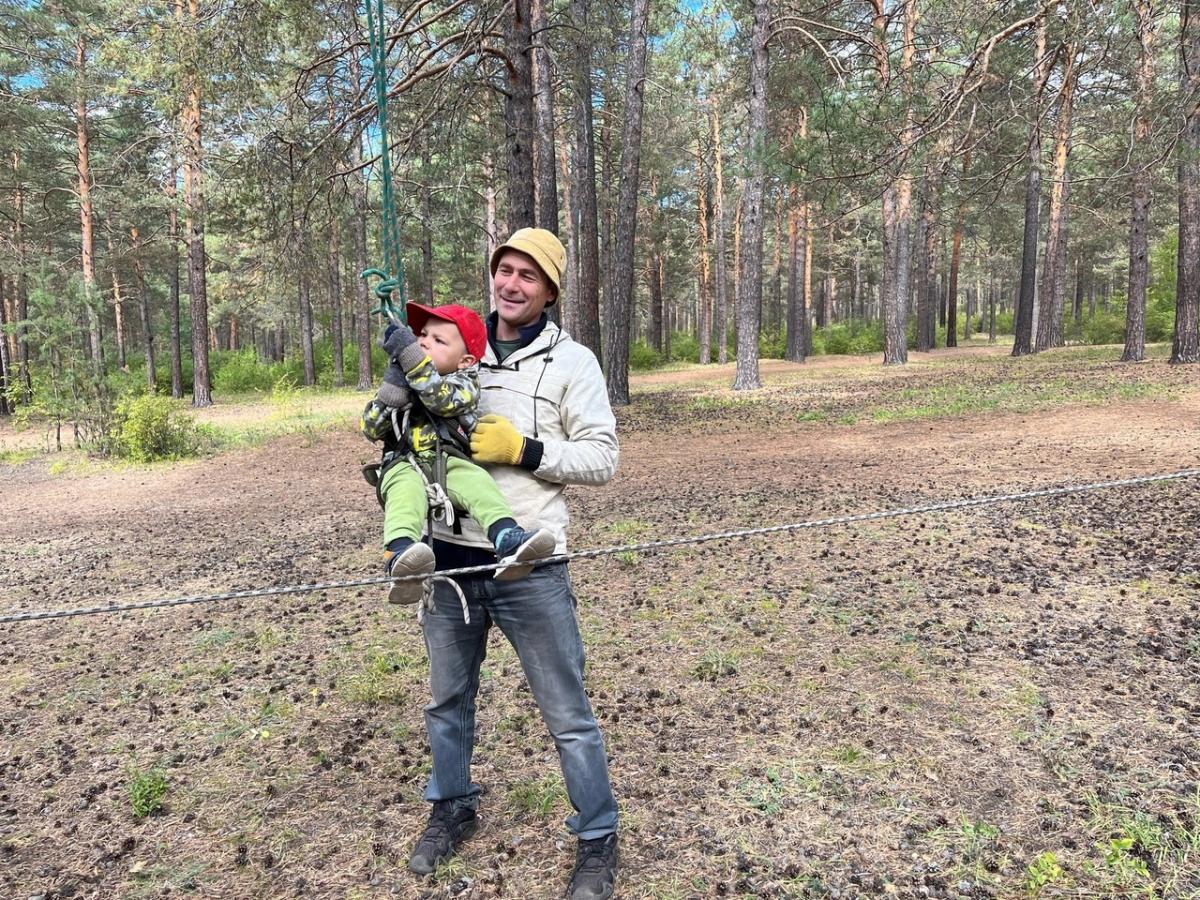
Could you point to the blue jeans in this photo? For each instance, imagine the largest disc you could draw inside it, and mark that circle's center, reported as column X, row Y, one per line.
column 537, row 615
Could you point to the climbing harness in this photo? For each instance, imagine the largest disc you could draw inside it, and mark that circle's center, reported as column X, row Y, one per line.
column 392, row 274
column 647, row 546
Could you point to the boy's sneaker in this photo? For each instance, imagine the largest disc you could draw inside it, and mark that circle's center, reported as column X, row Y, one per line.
column 595, row 874
column 416, row 559
column 517, row 549
column 447, row 829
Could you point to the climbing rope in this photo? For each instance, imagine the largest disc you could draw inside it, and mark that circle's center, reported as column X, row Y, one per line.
column 392, row 273
column 646, row 546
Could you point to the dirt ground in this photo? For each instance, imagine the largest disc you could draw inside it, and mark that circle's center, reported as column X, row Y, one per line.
column 997, row 702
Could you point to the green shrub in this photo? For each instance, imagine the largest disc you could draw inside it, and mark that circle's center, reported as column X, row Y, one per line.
column 643, row 357
column 151, row 428
column 239, row 371
column 771, row 345
column 146, row 790
column 685, row 347
column 1105, row 328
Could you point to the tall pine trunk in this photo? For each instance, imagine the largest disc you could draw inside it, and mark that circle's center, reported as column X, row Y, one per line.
column 720, row 279
column 749, row 307
column 1185, row 348
column 193, row 201
column 546, row 184
column 86, row 213
column 587, row 301
column 173, row 281
column 336, row 334
column 704, row 304
column 518, row 116
column 955, row 259
column 1054, row 272
column 143, row 299
column 1023, row 338
column 21, row 288
column 620, row 310
column 1139, row 205
column 797, row 311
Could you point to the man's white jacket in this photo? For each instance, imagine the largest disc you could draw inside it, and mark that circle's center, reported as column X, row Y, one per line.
column 552, row 391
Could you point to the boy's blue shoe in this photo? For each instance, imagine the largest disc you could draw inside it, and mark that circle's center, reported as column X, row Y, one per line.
column 416, row 559
column 517, row 549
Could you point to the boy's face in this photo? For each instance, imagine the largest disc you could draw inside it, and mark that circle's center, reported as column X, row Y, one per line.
column 443, row 344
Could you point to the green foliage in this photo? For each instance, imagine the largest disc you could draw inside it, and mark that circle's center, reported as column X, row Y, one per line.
column 539, row 797
column 716, row 664
column 643, row 357
column 848, row 338
column 1104, row 328
column 685, row 347
column 151, row 428
column 1043, row 872
column 146, row 791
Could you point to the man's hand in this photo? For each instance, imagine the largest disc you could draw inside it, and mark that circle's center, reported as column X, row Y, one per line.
column 495, row 440
column 396, row 338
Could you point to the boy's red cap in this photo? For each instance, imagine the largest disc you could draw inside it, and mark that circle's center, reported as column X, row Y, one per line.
column 470, row 326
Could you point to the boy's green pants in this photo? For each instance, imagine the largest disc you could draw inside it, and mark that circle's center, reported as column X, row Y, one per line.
column 405, row 505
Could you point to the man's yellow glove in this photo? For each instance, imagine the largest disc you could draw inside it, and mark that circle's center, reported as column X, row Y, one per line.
column 495, row 440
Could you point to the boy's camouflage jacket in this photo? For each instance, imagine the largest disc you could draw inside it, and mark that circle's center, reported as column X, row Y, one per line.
column 453, row 396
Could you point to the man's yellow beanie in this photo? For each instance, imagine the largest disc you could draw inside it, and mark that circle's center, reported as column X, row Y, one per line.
column 542, row 247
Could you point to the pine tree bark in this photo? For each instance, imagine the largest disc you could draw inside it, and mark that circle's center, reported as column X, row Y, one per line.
column 118, row 303
column 897, row 196
column 426, row 196
column 1054, row 272
column 1185, row 346
column 518, row 116
column 587, row 299
column 1023, row 338
column 797, row 311
column 546, row 183
column 620, row 311
column 193, row 200
column 358, row 234
column 304, row 302
column 86, row 213
column 490, row 228
column 335, row 302
column 719, row 313
column 704, row 304
column 1139, row 211
column 143, row 298
column 21, row 287
column 173, row 282
column 955, row 258
column 926, row 268
column 749, row 308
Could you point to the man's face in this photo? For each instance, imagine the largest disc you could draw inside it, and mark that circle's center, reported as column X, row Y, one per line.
column 520, row 288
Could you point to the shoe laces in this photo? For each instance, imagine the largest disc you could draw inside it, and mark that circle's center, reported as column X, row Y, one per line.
column 594, row 856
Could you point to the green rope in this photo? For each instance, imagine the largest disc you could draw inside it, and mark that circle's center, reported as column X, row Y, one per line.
column 392, row 273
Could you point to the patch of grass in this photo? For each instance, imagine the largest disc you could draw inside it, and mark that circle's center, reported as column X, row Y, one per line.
column 385, row 678
column 715, row 403
column 766, row 793
column 146, row 791
column 538, row 797
column 17, row 457
column 716, row 664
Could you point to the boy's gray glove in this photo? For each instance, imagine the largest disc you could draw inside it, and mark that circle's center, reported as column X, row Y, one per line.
column 394, row 389
column 396, row 338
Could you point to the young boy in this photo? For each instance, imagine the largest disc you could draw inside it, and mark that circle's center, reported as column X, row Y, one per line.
column 428, row 396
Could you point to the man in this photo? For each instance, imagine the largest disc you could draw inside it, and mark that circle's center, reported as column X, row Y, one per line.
column 546, row 423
